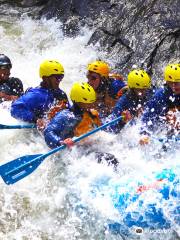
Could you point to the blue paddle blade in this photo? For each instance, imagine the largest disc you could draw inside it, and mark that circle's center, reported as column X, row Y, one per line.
column 19, row 168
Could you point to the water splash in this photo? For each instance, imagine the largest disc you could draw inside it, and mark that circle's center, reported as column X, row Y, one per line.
column 46, row 204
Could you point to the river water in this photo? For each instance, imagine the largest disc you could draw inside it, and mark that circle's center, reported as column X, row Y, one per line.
column 44, row 205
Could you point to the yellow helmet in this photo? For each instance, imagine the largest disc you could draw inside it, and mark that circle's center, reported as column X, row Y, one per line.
column 50, row 67
column 82, row 92
column 99, row 67
column 172, row 72
column 138, row 79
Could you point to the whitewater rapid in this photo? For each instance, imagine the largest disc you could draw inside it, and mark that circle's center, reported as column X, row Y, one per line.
column 42, row 206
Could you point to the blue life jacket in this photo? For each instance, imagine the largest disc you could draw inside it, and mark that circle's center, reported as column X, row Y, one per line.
column 35, row 103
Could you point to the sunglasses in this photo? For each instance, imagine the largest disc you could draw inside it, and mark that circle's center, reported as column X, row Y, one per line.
column 58, row 77
column 5, row 67
column 92, row 77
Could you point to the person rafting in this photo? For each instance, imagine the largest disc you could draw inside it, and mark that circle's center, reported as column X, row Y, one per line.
column 132, row 103
column 108, row 86
column 164, row 105
column 36, row 102
column 10, row 88
column 81, row 118
column 75, row 121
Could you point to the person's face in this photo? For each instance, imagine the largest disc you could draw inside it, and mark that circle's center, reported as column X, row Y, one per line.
column 175, row 86
column 55, row 80
column 4, row 73
column 94, row 79
column 141, row 92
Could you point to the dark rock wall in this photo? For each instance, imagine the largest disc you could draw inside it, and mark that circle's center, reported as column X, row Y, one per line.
column 145, row 33
column 24, row 3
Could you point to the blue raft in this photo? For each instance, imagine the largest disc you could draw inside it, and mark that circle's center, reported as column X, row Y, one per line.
column 142, row 204
column 145, row 206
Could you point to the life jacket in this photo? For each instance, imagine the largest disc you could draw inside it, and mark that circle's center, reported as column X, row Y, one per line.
column 107, row 93
column 116, row 85
column 116, row 76
column 90, row 120
column 57, row 108
column 122, row 91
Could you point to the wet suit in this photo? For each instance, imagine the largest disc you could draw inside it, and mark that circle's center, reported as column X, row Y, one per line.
column 131, row 102
column 163, row 100
column 36, row 102
column 155, row 114
column 69, row 123
column 12, row 86
column 74, row 122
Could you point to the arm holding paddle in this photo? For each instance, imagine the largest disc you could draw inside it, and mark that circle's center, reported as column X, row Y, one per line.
column 60, row 128
column 21, row 167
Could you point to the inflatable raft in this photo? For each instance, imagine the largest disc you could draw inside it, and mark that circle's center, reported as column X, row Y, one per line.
column 148, row 205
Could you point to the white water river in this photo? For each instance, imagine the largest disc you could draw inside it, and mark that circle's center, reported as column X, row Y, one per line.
column 42, row 206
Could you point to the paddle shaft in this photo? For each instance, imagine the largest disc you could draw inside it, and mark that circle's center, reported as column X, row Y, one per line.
column 21, row 167
column 2, row 126
column 82, row 136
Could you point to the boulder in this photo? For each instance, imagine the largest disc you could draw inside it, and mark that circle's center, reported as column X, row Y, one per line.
column 142, row 33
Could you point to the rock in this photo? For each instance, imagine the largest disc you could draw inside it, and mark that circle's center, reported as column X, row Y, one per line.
column 24, row 3
column 17, row 8
column 71, row 27
column 31, row 3
column 132, row 32
column 145, row 33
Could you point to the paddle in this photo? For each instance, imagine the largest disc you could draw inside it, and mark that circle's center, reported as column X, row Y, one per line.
column 21, row 167
column 3, row 126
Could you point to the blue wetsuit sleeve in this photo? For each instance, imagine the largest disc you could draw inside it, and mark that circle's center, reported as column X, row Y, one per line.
column 60, row 128
column 31, row 105
column 20, row 111
column 156, row 107
column 26, row 115
column 115, row 87
column 121, row 105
